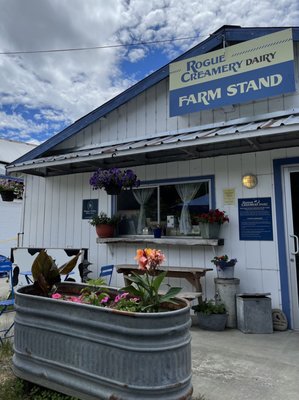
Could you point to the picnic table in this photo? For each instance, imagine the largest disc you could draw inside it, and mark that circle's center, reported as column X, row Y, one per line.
column 192, row 274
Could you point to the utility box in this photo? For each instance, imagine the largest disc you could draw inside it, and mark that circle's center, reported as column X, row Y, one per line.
column 254, row 313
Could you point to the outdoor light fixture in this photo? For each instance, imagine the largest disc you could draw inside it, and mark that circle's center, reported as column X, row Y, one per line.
column 249, row 181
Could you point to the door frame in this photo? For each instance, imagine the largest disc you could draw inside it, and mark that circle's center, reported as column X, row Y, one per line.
column 278, row 170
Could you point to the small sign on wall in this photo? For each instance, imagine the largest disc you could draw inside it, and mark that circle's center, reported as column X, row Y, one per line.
column 90, row 208
column 255, row 219
column 229, row 197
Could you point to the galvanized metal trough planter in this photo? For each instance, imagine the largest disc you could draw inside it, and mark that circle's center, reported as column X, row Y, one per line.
column 99, row 353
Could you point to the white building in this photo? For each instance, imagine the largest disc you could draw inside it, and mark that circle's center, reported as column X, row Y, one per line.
column 234, row 111
column 10, row 212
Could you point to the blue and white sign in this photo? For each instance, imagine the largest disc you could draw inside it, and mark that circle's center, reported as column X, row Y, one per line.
column 251, row 70
column 255, row 219
column 90, row 208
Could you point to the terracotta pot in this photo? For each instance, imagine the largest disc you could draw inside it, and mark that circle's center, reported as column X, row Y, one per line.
column 105, row 230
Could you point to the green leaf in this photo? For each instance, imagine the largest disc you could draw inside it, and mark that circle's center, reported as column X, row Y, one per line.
column 172, row 292
column 42, row 284
column 69, row 266
column 140, row 280
column 132, row 290
column 158, row 280
column 41, row 265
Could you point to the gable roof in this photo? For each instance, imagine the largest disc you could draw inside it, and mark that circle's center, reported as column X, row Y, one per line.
column 228, row 34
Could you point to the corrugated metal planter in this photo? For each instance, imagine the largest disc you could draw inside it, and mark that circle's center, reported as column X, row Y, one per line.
column 99, row 353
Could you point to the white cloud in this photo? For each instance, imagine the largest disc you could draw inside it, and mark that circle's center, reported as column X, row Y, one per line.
column 62, row 87
column 136, row 55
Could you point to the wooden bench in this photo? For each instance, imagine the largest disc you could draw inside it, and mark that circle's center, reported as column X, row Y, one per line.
column 191, row 274
column 185, row 295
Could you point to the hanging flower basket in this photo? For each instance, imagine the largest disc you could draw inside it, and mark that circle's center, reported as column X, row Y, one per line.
column 11, row 188
column 113, row 180
column 7, row 195
column 113, row 190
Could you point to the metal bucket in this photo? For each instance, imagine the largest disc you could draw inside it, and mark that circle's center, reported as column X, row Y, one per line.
column 99, row 353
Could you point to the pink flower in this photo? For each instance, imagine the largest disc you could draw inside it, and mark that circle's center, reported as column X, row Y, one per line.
column 105, row 299
column 75, row 299
column 117, row 298
column 124, row 295
column 56, row 296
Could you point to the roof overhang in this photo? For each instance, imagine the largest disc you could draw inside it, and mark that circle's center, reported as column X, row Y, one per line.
column 227, row 35
column 209, row 141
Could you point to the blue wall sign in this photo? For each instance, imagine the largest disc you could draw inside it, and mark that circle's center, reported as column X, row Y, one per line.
column 255, row 219
column 90, row 208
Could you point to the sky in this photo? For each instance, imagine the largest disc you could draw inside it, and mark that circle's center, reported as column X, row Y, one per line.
column 43, row 92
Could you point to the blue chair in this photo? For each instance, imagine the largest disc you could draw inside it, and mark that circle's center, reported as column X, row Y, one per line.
column 2, row 259
column 7, row 305
column 107, row 271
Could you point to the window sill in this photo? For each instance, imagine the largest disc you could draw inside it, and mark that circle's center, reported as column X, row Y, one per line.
column 171, row 240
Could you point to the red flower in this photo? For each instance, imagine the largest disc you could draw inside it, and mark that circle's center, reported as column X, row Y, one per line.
column 213, row 217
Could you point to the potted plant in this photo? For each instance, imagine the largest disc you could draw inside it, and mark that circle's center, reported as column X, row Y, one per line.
column 105, row 225
column 225, row 266
column 211, row 222
column 113, row 180
column 211, row 315
column 130, row 343
column 11, row 189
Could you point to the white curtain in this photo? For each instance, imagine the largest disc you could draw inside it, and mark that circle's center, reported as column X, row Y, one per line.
column 142, row 196
column 187, row 192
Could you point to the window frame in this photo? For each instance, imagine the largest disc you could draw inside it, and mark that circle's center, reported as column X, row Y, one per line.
column 173, row 181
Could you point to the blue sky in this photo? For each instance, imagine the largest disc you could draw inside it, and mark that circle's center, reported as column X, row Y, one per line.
column 42, row 93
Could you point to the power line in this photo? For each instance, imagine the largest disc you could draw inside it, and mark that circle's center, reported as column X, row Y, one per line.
column 96, row 47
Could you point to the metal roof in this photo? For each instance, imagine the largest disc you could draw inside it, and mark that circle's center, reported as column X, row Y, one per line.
column 11, row 149
column 209, row 141
column 227, row 34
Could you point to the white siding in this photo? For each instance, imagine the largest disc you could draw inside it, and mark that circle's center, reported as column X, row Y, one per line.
column 54, row 205
column 10, row 225
column 148, row 115
column 54, row 211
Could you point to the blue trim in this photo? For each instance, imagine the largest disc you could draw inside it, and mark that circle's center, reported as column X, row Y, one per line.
column 233, row 34
column 11, row 178
column 281, row 234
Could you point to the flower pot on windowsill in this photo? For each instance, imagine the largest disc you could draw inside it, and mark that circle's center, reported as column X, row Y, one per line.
column 105, row 230
column 209, row 231
column 7, row 195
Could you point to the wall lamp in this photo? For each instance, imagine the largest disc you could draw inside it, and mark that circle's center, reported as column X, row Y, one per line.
column 249, row 181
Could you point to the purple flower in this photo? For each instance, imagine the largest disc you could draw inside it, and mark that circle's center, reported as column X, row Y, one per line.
column 103, row 178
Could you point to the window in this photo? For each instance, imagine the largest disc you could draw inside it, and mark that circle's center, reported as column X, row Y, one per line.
column 171, row 205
